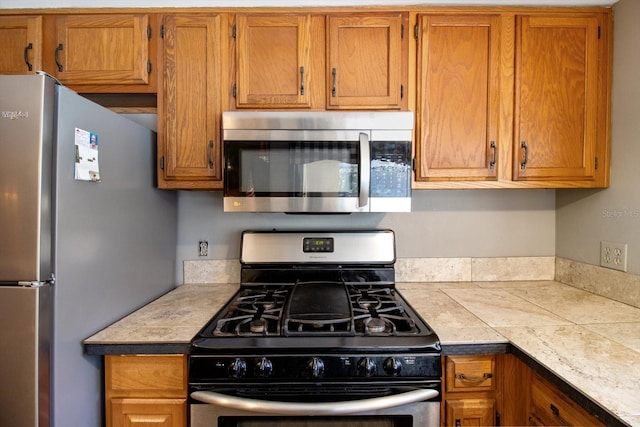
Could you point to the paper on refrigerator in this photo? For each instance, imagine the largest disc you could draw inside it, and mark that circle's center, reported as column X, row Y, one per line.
column 86, row 165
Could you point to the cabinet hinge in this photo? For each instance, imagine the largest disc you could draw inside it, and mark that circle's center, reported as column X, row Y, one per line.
column 162, row 162
column 416, row 30
column 596, row 163
column 413, row 164
column 149, row 31
column 401, row 91
column 162, row 31
column 148, row 66
column 234, row 90
column 233, row 31
column 599, row 31
column 402, row 31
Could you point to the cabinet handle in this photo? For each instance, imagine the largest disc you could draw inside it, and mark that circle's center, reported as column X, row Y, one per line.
column 556, row 413
column 26, row 56
column 523, row 164
column 458, row 423
column 57, row 57
column 334, row 72
column 492, row 164
column 301, row 80
column 483, row 378
column 210, row 154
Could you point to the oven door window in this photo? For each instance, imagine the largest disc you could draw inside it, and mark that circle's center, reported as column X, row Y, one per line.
column 291, row 169
column 350, row 421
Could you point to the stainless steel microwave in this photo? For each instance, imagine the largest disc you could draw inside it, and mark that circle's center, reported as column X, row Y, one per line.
column 317, row 162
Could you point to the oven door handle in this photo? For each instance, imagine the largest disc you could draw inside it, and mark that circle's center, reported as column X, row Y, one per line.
column 313, row 409
column 365, row 170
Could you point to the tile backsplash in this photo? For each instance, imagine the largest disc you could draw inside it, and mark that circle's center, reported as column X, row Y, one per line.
column 619, row 286
column 407, row 269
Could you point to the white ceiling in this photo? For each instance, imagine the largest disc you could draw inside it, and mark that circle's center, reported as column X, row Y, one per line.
column 20, row 4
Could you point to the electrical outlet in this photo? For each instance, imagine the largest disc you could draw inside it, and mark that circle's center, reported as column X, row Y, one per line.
column 203, row 248
column 613, row 255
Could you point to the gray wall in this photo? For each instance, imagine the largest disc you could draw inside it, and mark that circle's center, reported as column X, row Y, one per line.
column 444, row 223
column 584, row 218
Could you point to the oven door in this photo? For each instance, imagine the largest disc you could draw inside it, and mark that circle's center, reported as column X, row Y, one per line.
column 317, row 405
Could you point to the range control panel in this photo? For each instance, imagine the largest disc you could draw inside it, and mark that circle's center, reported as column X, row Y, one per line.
column 205, row 368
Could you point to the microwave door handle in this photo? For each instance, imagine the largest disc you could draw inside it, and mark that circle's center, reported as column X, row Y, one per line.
column 313, row 409
column 365, row 170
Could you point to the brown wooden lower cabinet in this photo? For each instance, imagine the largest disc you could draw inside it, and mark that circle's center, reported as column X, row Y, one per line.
column 469, row 391
column 146, row 390
column 550, row 407
column 148, row 412
column 501, row 389
column 470, row 412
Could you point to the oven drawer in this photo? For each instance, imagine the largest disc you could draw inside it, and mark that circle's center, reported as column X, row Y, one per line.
column 470, row 373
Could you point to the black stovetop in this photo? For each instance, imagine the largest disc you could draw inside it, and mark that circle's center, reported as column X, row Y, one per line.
column 321, row 315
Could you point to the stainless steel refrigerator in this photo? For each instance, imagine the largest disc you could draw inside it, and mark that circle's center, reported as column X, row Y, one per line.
column 77, row 251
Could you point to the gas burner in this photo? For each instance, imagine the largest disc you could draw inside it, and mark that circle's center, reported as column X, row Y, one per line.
column 258, row 326
column 375, row 325
column 367, row 301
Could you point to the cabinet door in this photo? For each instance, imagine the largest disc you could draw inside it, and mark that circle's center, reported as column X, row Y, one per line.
column 273, row 61
column 549, row 406
column 102, row 49
column 556, row 100
column 366, row 61
column 458, row 97
column 148, row 412
column 189, row 105
column 470, row 412
column 21, row 41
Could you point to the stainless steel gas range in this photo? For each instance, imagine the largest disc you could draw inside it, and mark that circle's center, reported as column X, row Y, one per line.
column 316, row 335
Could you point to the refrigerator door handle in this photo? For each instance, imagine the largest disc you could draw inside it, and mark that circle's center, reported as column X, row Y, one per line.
column 49, row 282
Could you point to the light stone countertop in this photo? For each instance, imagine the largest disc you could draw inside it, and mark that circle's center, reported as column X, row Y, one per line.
column 590, row 342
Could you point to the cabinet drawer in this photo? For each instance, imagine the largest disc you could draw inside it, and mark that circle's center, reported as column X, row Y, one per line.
column 551, row 407
column 146, row 376
column 470, row 373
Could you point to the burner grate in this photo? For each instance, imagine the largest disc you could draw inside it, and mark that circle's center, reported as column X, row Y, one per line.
column 255, row 312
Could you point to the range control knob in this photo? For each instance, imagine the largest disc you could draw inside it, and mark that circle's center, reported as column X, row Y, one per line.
column 315, row 367
column 263, row 368
column 392, row 366
column 237, row 368
column 366, row 367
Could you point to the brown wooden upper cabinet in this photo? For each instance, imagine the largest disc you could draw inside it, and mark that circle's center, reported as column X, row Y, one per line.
column 558, row 99
column 189, row 104
column 21, row 41
column 513, row 101
column 274, row 61
column 367, row 61
column 103, row 50
column 458, row 97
